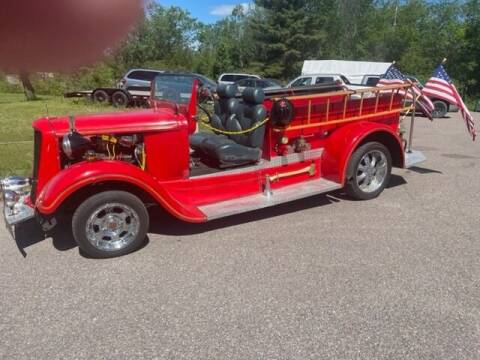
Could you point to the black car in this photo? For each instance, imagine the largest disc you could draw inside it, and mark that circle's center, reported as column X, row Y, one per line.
column 441, row 106
column 260, row 83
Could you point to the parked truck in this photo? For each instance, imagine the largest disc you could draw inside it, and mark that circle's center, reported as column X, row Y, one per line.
column 263, row 149
column 354, row 74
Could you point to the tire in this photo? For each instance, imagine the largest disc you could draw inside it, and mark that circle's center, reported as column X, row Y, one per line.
column 120, row 99
column 100, row 96
column 440, row 110
column 110, row 224
column 367, row 179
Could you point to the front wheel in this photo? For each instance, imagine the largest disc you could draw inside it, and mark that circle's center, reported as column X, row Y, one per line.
column 368, row 171
column 110, row 224
column 100, row 96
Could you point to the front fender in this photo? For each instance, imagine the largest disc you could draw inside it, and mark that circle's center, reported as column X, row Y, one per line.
column 344, row 141
column 72, row 179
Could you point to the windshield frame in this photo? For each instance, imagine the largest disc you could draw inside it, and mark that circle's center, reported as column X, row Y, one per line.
column 181, row 91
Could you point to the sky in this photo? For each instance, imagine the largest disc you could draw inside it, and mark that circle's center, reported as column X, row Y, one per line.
column 206, row 10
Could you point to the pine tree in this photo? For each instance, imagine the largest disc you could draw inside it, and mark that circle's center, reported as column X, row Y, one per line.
column 471, row 53
column 285, row 35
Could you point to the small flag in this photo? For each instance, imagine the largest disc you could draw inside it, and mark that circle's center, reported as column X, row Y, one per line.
column 441, row 86
column 393, row 76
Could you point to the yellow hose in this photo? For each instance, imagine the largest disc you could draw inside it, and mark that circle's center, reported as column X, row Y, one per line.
column 224, row 132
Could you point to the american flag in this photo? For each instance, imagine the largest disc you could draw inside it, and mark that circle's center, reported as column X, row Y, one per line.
column 441, row 87
column 393, row 76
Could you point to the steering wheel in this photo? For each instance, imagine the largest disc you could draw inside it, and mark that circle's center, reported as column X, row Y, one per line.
column 204, row 94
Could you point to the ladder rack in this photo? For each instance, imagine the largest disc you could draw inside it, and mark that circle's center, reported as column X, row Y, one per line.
column 360, row 112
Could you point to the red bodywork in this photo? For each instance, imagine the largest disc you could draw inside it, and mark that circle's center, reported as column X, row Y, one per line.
column 166, row 129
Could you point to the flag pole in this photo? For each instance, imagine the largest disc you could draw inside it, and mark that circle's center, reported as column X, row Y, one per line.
column 412, row 123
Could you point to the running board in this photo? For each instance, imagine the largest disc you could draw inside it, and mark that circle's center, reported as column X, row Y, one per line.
column 413, row 158
column 268, row 199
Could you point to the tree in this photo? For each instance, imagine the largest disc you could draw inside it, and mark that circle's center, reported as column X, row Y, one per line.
column 166, row 38
column 27, row 86
column 285, row 34
column 274, row 37
column 471, row 51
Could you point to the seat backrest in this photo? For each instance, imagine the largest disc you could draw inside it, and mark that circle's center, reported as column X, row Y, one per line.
column 225, row 105
column 247, row 113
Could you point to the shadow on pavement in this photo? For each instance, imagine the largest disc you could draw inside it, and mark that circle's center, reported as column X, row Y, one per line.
column 396, row 180
column 163, row 223
column 459, row 156
column 421, row 170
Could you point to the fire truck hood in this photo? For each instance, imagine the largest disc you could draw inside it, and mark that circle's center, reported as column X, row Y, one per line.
column 118, row 123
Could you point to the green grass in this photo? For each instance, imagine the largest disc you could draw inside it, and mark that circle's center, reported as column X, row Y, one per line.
column 16, row 117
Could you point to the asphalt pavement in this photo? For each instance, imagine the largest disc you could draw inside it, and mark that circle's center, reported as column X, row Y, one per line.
column 322, row 278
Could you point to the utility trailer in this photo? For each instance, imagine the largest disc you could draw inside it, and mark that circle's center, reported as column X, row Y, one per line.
column 117, row 97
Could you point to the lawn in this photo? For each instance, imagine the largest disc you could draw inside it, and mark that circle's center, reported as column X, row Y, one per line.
column 16, row 117
column 16, row 134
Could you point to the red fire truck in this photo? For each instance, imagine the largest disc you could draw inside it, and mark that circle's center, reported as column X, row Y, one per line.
column 259, row 149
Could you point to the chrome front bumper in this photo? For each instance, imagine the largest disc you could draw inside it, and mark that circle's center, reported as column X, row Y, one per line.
column 15, row 191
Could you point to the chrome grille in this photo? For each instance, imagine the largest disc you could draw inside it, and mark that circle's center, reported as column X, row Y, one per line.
column 36, row 163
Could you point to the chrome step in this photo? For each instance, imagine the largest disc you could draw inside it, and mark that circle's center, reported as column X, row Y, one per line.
column 413, row 158
column 276, row 197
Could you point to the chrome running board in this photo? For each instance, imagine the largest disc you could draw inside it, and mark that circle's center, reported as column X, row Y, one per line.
column 272, row 198
column 413, row 158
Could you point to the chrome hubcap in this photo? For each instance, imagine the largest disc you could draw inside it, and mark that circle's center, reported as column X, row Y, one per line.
column 112, row 227
column 372, row 171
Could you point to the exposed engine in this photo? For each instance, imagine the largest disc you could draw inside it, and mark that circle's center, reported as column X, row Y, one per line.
column 76, row 147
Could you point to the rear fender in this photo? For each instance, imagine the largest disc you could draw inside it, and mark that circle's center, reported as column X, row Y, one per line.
column 344, row 141
column 82, row 175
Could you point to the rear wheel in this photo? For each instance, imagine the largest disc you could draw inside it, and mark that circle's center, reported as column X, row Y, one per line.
column 120, row 99
column 368, row 171
column 110, row 224
column 440, row 110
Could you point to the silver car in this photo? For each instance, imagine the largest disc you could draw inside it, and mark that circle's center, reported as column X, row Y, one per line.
column 138, row 79
column 232, row 78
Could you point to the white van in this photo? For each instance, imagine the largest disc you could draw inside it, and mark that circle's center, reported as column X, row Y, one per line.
column 232, row 78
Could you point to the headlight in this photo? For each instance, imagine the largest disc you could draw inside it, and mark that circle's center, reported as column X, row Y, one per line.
column 75, row 145
column 11, row 198
column 67, row 146
column 18, row 184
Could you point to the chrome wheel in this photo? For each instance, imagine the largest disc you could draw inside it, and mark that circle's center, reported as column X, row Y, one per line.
column 372, row 171
column 112, row 227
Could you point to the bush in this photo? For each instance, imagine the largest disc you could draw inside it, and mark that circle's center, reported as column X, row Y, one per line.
column 6, row 87
column 87, row 78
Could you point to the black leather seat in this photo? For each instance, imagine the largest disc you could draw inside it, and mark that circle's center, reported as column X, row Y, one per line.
column 232, row 114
